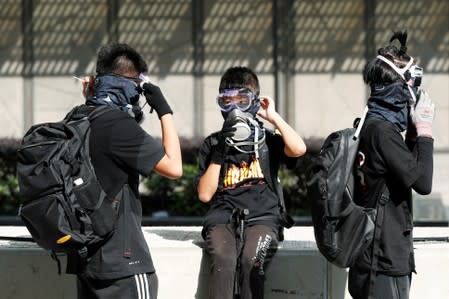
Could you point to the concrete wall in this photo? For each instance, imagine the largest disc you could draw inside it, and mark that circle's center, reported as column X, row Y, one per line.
column 298, row 271
column 323, row 103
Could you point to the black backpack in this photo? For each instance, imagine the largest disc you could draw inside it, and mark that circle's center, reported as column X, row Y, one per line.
column 62, row 203
column 343, row 230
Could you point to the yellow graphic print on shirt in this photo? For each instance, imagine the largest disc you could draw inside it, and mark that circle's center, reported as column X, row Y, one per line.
column 237, row 174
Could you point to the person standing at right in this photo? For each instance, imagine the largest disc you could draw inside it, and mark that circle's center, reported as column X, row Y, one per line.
column 386, row 161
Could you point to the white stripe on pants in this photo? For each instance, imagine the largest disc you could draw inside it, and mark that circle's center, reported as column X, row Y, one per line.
column 143, row 291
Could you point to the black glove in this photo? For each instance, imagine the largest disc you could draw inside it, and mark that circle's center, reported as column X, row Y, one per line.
column 155, row 99
column 220, row 148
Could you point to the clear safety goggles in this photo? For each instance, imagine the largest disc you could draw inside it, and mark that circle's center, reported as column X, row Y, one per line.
column 235, row 98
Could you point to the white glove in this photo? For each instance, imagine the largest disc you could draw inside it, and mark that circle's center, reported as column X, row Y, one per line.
column 422, row 115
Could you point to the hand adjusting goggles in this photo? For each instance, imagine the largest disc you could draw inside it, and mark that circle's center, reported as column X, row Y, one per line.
column 241, row 99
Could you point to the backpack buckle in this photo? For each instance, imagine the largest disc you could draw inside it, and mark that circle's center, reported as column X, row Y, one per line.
column 383, row 199
column 83, row 252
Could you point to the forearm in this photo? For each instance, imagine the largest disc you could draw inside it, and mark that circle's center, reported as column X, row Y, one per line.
column 294, row 144
column 208, row 183
column 170, row 142
column 424, row 148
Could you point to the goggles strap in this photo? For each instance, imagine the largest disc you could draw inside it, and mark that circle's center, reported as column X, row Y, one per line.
column 413, row 99
column 400, row 71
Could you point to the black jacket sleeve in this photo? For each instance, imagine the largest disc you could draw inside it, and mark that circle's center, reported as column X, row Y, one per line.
column 423, row 150
column 410, row 163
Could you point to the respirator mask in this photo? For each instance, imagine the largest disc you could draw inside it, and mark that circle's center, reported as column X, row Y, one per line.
column 415, row 74
column 411, row 74
column 248, row 134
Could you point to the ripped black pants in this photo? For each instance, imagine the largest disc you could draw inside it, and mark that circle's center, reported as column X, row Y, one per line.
column 222, row 247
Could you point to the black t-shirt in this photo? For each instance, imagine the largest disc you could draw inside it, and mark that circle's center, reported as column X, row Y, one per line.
column 243, row 184
column 385, row 160
column 121, row 150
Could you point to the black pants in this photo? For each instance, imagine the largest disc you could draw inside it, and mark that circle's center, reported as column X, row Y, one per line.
column 385, row 287
column 222, row 246
column 139, row 286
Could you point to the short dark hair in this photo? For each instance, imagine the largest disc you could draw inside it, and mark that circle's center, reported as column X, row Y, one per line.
column 239, row 77
column 377, row 71
column 120, row 59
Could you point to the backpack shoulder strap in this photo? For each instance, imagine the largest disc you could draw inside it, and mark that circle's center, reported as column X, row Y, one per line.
column 361, row 122
column 100, row 110
column 274, row 183
column 82, row 111
column 380, row 207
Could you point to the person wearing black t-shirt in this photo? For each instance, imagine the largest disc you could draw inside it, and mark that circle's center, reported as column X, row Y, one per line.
column 236, row 168
column 121, row 151
column 387, row 162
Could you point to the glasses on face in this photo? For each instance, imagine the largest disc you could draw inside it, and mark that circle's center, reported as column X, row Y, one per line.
column 235, row 98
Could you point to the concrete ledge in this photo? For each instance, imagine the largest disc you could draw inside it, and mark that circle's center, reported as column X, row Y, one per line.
column 297, row 271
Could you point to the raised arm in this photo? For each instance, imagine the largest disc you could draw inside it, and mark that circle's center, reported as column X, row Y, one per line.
column 171, row 164
column 294, row 145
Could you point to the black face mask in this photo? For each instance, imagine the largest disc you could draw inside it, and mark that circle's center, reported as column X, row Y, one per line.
column 390, row 102
column 411, row 74
column 119, row 93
